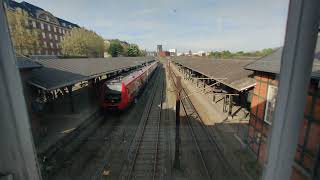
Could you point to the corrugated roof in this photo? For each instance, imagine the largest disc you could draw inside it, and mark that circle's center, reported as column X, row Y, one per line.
column 57, row 73
column 26, row 63
column 231, row 69
column 272, row 62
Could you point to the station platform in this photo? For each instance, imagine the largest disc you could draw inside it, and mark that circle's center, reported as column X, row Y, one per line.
column 58, row 122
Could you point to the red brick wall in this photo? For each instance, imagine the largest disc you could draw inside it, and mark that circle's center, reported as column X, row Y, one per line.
column 309, row 137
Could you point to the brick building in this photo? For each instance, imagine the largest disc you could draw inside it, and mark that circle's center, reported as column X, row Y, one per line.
column 52, row 29
column 266, row 71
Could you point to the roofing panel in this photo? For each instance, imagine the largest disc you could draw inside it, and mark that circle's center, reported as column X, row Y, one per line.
column 58, row 73
column 26, row 63
column 232, row 70
column 271, row 63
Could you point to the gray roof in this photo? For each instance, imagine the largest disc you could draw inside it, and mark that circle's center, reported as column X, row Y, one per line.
column 57, row 73
column 232, row 69
column 271, row 63
column 26, row 63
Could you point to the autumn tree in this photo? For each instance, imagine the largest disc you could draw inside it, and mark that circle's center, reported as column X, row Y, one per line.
column 25, row 39
column 82, row 42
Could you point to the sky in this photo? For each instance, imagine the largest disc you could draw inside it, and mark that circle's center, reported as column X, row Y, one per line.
column 195, row 25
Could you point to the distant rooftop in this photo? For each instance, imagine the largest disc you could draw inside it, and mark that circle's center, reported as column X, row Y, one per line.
column 33, row 11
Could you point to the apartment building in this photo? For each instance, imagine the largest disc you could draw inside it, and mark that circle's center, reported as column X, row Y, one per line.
column 52, row 29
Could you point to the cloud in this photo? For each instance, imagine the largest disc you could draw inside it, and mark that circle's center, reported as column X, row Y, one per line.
column 195, row 25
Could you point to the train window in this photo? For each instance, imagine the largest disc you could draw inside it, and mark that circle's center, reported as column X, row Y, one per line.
column 113, row 92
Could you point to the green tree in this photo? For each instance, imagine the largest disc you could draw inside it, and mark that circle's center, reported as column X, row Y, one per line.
column 133, row 51
column 25, row 40
column 115, row 48
column 82, row 42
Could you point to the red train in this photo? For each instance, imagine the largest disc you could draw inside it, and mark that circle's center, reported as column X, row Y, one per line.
column 117, row 94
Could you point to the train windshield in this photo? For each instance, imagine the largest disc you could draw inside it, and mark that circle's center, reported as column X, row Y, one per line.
column 113, row 92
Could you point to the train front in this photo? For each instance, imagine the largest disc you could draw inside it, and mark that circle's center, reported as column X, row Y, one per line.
column 113, row 96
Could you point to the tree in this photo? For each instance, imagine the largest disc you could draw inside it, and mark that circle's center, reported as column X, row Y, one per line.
column 25, row 40
column 115, row 48
column 82, row 42
column 133, row 51
column 228, row 54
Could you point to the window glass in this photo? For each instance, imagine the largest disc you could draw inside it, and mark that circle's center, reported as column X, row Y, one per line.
column 270, row 103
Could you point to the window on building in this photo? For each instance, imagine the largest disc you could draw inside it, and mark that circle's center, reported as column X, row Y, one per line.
column 49, row 27
column 45, row 44
column 34, row 24
column 43, row 35
column 270, row 103
column 63, row 24
column 54, row 29
column 61, row 38
column 56, row 37
column 47, row 18
column 42, row 25
column 63, row 31
column 50, row 36
column 59, row 30
column 51, row 44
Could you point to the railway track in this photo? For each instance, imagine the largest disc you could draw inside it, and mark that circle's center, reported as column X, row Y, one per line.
column 214, row 163
column 144, row 154
column 89, row 155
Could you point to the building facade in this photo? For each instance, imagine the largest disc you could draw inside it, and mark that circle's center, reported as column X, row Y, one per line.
column 51, row 29
column 159, row 48
column 266, row 70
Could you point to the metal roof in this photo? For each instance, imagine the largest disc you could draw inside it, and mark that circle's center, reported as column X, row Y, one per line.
column 26, row 63
column 232, row 70
column 57, row 73
column 271, row 63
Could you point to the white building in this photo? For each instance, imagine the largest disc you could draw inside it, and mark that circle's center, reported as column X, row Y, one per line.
column 173, row 52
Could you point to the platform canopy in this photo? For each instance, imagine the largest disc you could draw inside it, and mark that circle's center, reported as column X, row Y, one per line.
column 58, row 73
column 229, row 72
column 272, row 62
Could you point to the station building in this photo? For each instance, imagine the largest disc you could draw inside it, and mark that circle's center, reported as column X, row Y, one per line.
column 266, row 71
column 51, row 29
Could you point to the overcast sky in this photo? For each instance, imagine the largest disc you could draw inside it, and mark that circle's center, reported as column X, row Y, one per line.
column 182, row 24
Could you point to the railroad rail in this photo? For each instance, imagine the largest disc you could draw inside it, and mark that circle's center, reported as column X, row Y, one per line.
column 143, row 156
column 212, row 158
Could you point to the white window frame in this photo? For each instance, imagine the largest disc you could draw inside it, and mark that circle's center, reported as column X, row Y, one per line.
column 54, row 29
column 49, row 27
column 34, row 24
column 56, row 37
column 51, row 44
column 50, row 36
column 43, row 35
column 269, row 91
column 42, row 25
